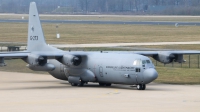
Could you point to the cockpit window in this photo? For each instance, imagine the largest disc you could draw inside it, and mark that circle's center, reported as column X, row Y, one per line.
column 148, row 61
column 137, row 62
column 143, row 61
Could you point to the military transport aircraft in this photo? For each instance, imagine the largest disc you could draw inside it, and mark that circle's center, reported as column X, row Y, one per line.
column 80, row 67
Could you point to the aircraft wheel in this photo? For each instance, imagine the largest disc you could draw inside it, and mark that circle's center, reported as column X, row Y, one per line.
column 139, row 87
column 108, row 84
column 81, row 84
column 101, row 84
column 143, row 86
column 73, row 84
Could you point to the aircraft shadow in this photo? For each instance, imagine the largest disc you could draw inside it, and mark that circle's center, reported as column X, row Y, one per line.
column 60, row 85
column 118, row 86
column 34, row 88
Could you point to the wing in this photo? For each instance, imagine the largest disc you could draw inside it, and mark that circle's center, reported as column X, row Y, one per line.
column 162, row 56
column 13, row 55
column 168, row 56
column 21, row 55
column 47, row 54
column 151, row 53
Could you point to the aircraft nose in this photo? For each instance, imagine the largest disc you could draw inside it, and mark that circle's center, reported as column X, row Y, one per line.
column 150, row 75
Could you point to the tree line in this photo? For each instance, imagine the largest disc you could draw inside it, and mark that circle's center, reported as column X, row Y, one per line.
column 183, row 7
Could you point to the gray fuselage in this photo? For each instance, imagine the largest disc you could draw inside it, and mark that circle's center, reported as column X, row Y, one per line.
column 109, row 68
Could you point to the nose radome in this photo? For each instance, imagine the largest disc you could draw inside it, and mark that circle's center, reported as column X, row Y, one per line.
column 150, row 75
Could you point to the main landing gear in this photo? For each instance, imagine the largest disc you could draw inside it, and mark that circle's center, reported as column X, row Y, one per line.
column 104, row 84
column 80, row 85
column 141, row 87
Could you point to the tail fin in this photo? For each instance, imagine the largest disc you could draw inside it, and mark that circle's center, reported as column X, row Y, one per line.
column 36, row 39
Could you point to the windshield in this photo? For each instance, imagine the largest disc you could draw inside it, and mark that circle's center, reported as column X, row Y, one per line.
column 137, row 62
column 143, row 62
column 148, row 61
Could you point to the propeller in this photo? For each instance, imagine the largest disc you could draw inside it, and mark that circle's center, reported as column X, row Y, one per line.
column 42, row 60
column 76, row 60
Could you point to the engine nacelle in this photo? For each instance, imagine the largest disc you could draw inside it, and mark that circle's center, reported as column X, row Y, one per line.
column 179, row 58
column 47, row 67
column 71, row 60
column 36, row 60
column 165, row 57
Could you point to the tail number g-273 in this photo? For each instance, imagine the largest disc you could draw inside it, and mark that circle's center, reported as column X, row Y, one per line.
column 33, row 37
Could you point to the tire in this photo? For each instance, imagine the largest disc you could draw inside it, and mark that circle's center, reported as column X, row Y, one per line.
column 81, row 84
column 143, row 86
column 101, row 84
column 139, row 87
column 73, row 84
column 108, row 84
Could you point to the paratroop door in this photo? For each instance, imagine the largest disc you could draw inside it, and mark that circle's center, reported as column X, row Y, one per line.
column 101, row 71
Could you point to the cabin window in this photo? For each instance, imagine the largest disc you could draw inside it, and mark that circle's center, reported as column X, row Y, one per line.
column 137, row 70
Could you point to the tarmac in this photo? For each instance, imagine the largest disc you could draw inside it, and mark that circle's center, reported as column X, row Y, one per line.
column 27, row 92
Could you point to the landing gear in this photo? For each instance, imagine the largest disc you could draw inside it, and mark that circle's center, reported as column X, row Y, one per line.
column 73, row 84
column 105, row 84
column 80, row 85
column 108, row 84
column 101, row 84
column 141, row 87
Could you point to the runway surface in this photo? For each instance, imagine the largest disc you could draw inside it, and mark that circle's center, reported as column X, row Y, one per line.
column 26, row 92
column 105, row 22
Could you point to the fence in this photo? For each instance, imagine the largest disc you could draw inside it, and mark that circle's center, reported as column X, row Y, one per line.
column 192, row 61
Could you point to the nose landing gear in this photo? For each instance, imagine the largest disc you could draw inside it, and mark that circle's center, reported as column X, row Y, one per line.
column 141, row 87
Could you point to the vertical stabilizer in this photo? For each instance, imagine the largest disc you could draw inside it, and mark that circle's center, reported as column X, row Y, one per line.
column 36, row 39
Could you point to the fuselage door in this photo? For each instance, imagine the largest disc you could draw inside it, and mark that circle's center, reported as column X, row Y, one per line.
column 101, row 71
column 139, row 75
column 139, row 68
